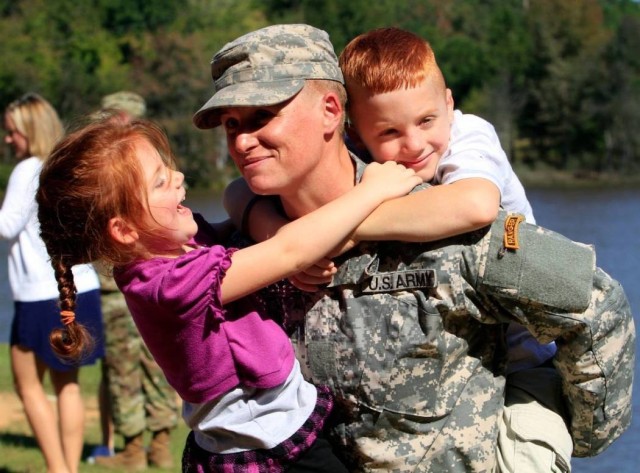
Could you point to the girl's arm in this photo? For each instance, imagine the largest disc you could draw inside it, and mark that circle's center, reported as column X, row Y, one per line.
column 259, row 218
column 300, row 243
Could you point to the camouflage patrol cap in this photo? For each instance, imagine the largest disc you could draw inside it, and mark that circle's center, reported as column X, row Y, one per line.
column 129, row 102
column 267, row 67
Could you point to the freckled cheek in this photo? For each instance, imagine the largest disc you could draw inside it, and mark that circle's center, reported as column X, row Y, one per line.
column 441, row 140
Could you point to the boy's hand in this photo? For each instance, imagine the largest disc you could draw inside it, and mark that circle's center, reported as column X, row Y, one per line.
column 312, row 278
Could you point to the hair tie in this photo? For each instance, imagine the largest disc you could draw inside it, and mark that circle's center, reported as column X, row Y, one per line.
column 67, row 316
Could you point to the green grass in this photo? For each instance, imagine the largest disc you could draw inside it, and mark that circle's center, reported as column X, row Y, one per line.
column 20, row 453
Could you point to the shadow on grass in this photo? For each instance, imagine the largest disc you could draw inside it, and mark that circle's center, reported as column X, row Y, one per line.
column 11, row 440
column 8, row 439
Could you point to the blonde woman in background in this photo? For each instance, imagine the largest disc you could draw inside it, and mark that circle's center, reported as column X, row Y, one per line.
column 32, row 127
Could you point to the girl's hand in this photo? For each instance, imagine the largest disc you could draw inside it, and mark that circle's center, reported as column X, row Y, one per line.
column 314, row 276
column 390, row 179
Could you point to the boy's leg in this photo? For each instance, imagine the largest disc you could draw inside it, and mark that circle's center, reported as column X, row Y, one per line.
column 533, row 436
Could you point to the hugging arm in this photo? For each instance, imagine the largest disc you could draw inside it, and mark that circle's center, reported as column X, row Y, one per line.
column 434, row 213
column 430, row 214
column 259, row 218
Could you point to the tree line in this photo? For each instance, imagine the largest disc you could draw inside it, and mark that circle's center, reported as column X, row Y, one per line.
column 559, row 79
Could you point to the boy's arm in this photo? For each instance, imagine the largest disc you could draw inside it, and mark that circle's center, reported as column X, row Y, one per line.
column 428, row 215
column 434, row 213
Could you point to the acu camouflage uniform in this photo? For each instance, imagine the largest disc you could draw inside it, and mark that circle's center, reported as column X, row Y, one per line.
column 411, row 339
column 411, row 336
column 140, row 397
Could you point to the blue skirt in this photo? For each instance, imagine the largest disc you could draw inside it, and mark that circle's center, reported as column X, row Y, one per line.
column 33, row 322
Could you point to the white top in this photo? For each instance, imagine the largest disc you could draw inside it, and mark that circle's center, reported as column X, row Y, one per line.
column 31, row 276
column 475, row 152
column 249, row 418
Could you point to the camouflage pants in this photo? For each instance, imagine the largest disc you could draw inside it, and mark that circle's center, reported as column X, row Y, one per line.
column 140, row 397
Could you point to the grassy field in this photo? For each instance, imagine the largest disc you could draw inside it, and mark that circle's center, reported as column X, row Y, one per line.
column 18, row 450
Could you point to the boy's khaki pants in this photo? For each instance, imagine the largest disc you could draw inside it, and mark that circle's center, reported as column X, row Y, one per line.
column 534, row 438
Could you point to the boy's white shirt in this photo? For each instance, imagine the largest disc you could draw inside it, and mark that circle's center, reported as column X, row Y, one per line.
column 475, row 152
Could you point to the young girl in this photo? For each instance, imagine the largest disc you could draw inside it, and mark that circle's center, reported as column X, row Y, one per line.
column 32, row 127
column 110, row 192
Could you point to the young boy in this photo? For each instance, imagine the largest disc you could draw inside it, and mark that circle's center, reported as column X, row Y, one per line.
column 401, row 110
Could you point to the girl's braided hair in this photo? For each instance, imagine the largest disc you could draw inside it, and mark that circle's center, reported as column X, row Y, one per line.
column 91, row 177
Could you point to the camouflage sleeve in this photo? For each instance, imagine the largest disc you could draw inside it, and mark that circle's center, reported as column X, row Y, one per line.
column 552, row 286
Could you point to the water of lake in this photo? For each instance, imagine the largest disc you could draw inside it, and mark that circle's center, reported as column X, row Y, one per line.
column 607, row 219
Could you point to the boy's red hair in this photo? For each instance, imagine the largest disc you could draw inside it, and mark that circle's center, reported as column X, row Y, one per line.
column 388, row 59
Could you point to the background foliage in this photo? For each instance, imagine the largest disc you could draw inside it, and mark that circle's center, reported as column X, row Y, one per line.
column 560, row 79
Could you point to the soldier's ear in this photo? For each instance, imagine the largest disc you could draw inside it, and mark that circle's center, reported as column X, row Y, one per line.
column 333, row 111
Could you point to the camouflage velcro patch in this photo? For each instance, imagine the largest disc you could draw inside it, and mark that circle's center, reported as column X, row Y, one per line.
column 546, row 269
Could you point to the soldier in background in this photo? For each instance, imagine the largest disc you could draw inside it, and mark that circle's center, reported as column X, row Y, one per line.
column 134, row 394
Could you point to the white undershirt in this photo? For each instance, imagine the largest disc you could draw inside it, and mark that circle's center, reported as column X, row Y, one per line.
column 249, row 418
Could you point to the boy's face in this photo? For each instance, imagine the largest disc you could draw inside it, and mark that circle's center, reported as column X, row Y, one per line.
column 410, row 126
